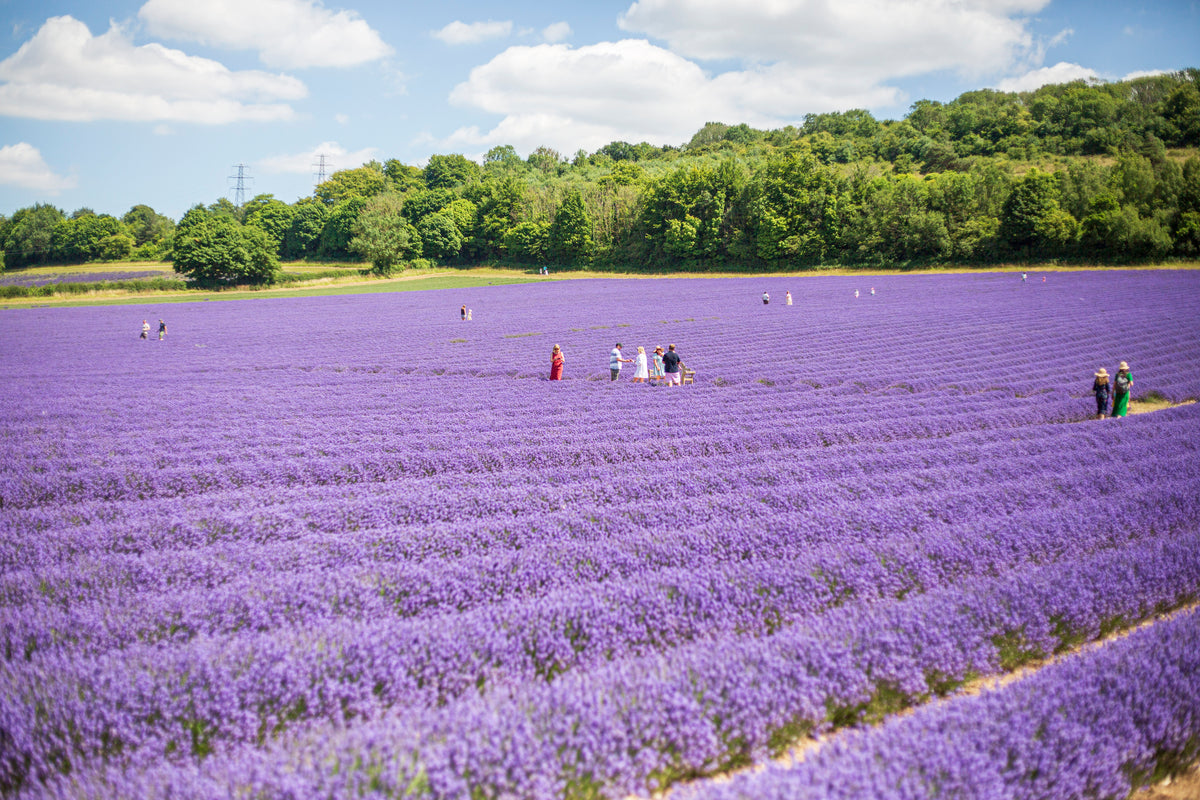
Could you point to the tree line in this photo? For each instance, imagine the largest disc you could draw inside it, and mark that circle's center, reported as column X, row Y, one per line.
column 1104, row 172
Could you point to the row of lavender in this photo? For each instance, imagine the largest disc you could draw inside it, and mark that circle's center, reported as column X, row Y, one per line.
column 357, row 668
column 286, row 549
column 1121, row 708
column 637, row 723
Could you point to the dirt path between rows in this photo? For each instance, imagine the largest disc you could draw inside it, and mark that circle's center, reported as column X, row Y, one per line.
column 1146, row 406
column 1184, row 786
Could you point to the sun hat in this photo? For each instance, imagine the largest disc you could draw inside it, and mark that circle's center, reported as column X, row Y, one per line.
column 1103, row 373
column 1123, row 365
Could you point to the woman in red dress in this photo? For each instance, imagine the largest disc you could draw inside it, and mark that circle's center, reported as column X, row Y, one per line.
column 556, row 364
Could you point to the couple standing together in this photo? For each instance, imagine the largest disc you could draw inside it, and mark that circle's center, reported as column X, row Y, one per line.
column 1118, row 389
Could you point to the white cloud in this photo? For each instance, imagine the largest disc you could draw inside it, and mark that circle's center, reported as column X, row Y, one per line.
column 1062, row 72
column 336, row 157
column 473, row 33
column 556, row 32
column 568, row 98
column 877, row 39
column 1061, row 36
column 286, row 33
column 22, row 165
column 1145, row 73
column 64, row 73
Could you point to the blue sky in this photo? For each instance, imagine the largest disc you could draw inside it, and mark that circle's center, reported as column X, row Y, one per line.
column 109, row 103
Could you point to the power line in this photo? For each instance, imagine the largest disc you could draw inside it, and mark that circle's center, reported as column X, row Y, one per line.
column 239, row 191
column 322, row 167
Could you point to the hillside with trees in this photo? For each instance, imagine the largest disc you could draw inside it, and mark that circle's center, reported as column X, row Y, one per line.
column 1081, row 172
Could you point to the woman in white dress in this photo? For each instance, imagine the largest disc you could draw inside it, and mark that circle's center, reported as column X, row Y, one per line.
column 640, row 370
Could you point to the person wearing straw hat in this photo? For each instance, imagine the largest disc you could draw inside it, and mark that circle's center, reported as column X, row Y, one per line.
column 1121, row 386
column 556, row 363
column 1101, row 388
column 658, row 375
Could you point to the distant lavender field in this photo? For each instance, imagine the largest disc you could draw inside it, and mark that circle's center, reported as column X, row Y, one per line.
column 354, row 546
column 44, row 279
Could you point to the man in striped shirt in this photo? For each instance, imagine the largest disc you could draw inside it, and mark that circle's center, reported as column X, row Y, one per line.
column 615, row 361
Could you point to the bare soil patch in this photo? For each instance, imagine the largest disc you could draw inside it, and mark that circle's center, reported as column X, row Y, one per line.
column 1145, row 406
column 1185, row 786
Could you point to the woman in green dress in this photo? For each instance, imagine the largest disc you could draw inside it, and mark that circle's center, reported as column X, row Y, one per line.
column 1121, row 387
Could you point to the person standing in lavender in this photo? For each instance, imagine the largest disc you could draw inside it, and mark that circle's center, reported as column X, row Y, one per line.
column 766, row 298
column 162, row 330
column 641, row 370
column 1101, row 388
column 615, row 361
column 671, row 366
column 1121, row 386
column 556, row 363
column 658, row 364
column 145, row 329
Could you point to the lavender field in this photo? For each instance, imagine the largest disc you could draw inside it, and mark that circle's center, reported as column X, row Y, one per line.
column 354, row 546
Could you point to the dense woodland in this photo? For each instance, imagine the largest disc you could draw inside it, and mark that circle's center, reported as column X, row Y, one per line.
column 1096, row 172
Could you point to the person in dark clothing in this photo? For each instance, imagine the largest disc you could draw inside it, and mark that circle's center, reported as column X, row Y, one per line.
column 1101, row 388
column 671, row 366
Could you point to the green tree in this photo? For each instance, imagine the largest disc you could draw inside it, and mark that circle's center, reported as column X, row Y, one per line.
column 1118, row 233
column 304, row 232
column 448, row 171
column 214, row 249
column 682, row 213
column 440, row 237
column 793, row 210
column 896, row 223
column 526, row 242
column 546, row 160
column 570, row 234
column 362, row 182
column 464, row 214
column 499, row 204
column 423, row 202
column 147, row 226
column 29, row 235
column 339, row 228
column 401, row 177
column 1031, row 221
column 117, row 247
column 273, row 217
column 77, row 240
column 383, row 236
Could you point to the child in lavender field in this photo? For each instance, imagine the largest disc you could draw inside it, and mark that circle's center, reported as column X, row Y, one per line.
column 658, row 364
column 1101, row 388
